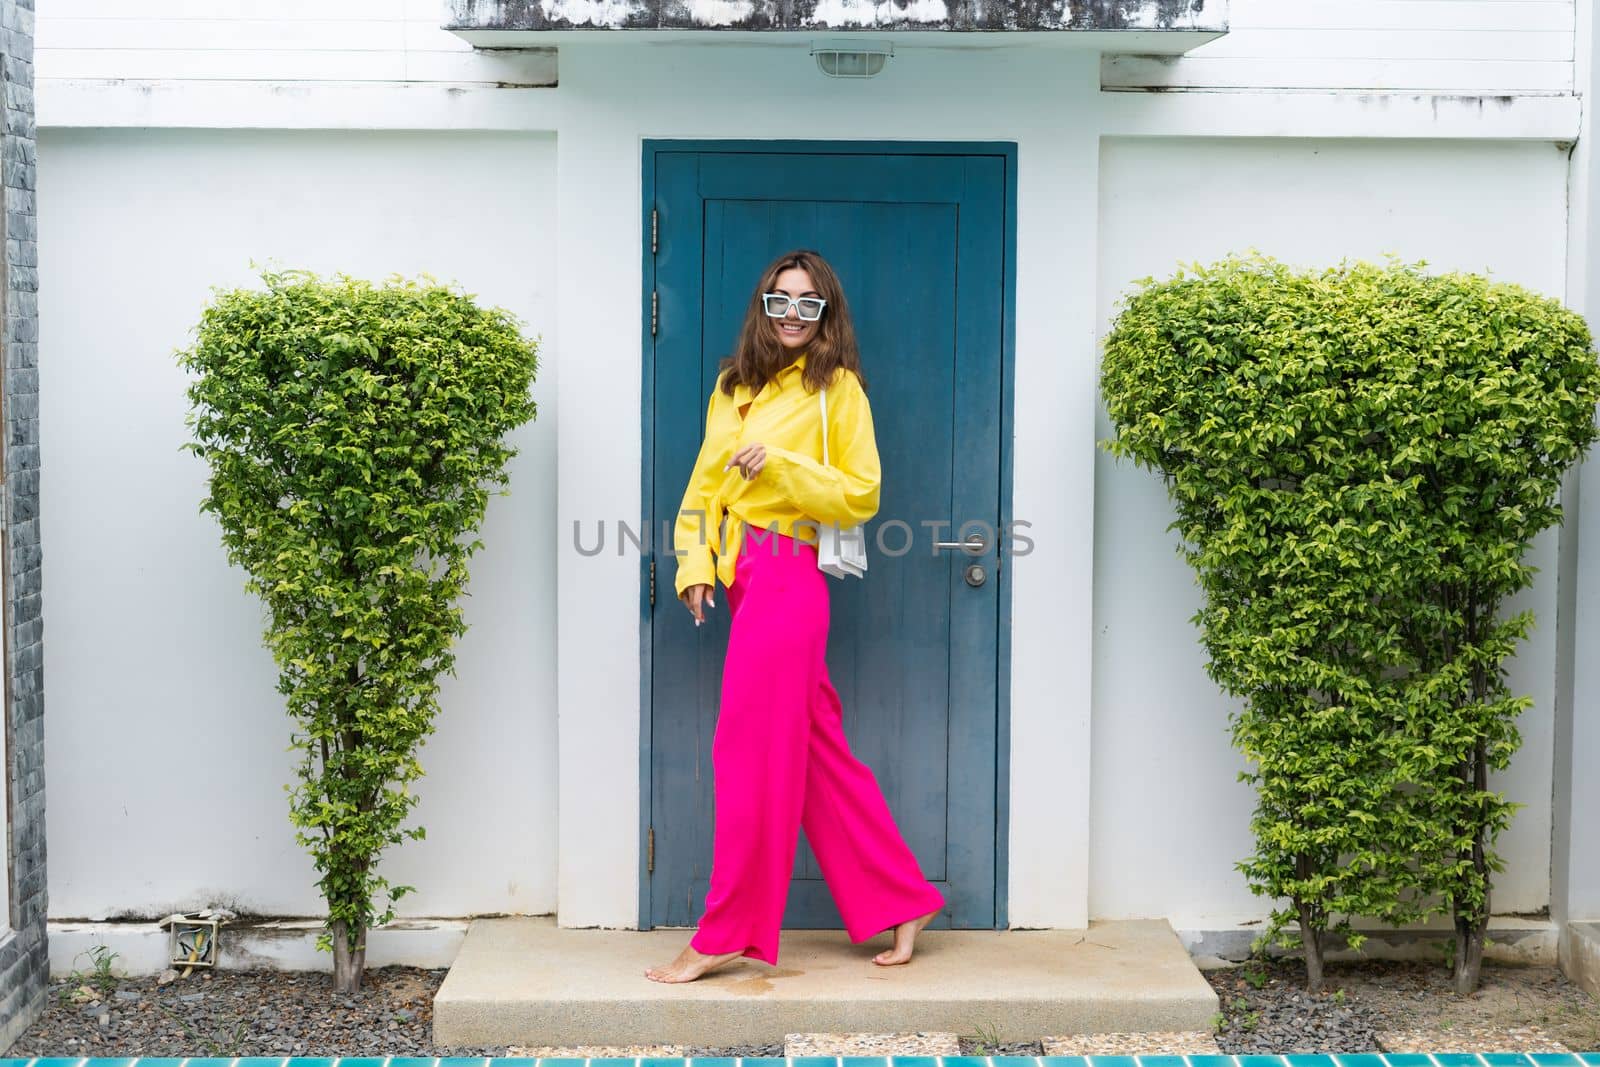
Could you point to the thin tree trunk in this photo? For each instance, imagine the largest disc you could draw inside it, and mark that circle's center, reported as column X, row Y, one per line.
column 1471, row 933
column 348, row 964
column 1311, row 938
column 1469, row 954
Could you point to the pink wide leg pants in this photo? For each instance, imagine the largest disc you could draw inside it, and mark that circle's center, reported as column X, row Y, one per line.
column 781, row 761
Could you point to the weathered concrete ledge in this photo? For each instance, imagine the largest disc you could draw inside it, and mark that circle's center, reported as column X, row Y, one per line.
column 1512, row 939
column 524, row 981
column 477, row 19
column 1580, row 955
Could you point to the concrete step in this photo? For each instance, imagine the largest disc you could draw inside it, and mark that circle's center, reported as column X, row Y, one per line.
column 525, row 981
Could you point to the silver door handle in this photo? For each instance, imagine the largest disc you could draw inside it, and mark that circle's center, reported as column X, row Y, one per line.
column 974, row 544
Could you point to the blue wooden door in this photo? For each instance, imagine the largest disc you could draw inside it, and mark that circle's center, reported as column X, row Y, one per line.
column 919, row 243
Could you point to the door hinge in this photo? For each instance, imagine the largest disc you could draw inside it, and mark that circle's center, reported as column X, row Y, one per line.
column 650, row 851
column 652, row 583
column 654, row 312
column 655, row 230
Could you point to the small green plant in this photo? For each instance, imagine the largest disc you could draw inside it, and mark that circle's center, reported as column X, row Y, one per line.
column 98, row 977
column 1251, row 1020
column 1218, row 1022
column 1339, row 997
column 985, row 1039
column 1240, row 1003
column 1255, row 974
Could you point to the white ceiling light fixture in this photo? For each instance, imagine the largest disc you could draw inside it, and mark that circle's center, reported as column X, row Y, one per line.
column 852, row 59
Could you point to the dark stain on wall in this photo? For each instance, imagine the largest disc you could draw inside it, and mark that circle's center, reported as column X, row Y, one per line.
column 961, row 15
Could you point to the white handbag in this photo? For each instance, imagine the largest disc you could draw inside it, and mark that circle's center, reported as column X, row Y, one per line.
column 841, row 553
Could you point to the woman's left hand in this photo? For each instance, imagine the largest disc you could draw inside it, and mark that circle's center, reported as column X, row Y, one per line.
column 749, row 460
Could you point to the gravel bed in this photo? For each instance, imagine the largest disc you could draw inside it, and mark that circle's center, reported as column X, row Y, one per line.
column 1266, row 1008
column 242, row 1013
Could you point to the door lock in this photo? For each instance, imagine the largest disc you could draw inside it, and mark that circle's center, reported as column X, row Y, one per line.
column 976, row 575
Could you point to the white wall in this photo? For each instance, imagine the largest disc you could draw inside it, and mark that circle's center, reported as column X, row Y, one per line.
column 1169, row 819
column 393, row 41
column 166, row 756
column 1449, row 46
column 1446, row 46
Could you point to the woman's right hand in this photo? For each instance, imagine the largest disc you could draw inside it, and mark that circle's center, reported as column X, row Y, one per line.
column 696, row 598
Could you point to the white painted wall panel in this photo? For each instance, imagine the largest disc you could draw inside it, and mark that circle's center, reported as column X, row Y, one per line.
column 1169, row 819
column 332, row 41
column 1446, row 46
column 167, row 738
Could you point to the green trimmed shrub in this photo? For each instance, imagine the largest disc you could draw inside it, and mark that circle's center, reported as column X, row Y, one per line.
column 352, row 432
column 1359, row 458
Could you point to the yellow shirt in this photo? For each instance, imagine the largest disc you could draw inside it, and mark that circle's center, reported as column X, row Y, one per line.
column 792, row 486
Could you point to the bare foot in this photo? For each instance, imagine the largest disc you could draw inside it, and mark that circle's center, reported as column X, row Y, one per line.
column 689, row 965
column 905, row 937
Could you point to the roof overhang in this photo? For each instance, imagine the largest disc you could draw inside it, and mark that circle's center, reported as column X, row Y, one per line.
column 1148, row 27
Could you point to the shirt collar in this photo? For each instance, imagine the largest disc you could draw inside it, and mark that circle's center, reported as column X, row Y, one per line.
column 741, row 391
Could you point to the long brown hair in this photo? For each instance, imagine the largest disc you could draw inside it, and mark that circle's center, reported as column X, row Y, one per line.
column 759, row 355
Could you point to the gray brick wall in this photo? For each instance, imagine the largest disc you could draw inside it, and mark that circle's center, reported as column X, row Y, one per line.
column 24, row 959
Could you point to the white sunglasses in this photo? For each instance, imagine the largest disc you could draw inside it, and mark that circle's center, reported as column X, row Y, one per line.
column 777, row 306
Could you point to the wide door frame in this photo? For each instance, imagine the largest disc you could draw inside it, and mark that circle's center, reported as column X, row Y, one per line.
column 651, row 521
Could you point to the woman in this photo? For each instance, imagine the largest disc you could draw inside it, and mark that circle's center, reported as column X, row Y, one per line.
column 780, row 757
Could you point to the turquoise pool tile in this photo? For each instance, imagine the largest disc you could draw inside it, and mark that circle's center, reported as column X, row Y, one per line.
column 277, row 1061
column 763, row 1061
column 1457, row 1059
column 815, row 1061
column 1591, row 1058
column 560, row 1061
column 701, row 1061
column 1261, row 1061
column 1408, row 1059
column 344, row 1061
column 1297, row 1060
column 1555, row 1059
column 903, row 1061
column 1112, row 1061
column 1210, row 1061
column 209, row 1061
column 1505, row 1059
column 1161, row 1061
column 1064, row 1061
column 63, row 1061
column 865, row 1061
column 1363, row 1059
column 966, row 1061
column 663, row 1061
column 607, row 1061
column 1014, row 1061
